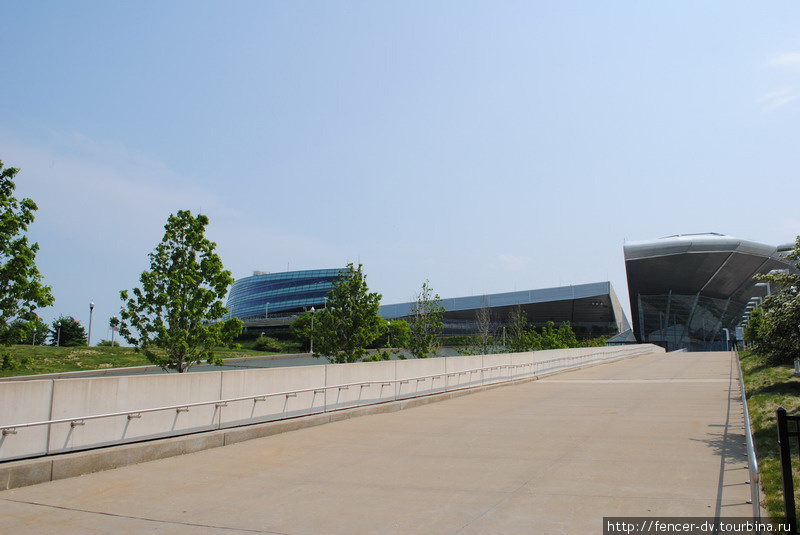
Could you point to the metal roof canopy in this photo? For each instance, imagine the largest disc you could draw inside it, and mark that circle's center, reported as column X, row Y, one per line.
column 590, row 303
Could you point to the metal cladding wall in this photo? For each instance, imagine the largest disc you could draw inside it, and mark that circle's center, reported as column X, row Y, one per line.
column 593, row 305
column 685, row 289
column 277, row 293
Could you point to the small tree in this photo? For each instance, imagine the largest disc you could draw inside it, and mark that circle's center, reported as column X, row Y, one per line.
column 425, row 323
column 300, row 327
column 21, row 289
column 776, row 329
column 350, row 322
column 753, row 331
column 395, row 336
column 518, row 331
column 180, row 299
column 552, row 337
column 398, row 334
column 485, row 325
column 66, row 331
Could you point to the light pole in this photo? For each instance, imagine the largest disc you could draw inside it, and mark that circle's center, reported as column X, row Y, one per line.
column 769, row 288
column 58, row 336
column 33, row 340
column 89, row 337
column 312, row 331
column 389, row 328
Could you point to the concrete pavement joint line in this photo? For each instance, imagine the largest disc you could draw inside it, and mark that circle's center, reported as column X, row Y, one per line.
column 144, row 519
column 484, row 513
column 628, row 498
column 634, row 381
column 512, row 493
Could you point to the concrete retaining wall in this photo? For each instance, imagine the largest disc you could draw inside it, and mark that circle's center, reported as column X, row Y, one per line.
column 282, row 393
column 241, row 383
column 81, row 397
column 25, row 402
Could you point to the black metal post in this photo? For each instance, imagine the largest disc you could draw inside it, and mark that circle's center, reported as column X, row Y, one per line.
column 786, row 470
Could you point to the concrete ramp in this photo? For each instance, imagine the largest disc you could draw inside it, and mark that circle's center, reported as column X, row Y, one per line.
column 656, row 435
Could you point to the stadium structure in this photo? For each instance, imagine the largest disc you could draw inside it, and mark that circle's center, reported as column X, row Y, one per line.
column 691, row 291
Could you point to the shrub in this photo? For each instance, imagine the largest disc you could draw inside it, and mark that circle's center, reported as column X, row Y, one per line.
column 9, row 362
column 267, row 343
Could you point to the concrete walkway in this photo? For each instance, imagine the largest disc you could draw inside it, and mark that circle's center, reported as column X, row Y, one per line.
column 657, row 435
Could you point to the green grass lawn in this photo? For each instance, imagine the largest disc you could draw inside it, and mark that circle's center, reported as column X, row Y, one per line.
column 34, row 360
column 769, row 387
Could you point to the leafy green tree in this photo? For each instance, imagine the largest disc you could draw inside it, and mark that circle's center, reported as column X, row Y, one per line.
column 21, row 288
column 66, row 331
column 395, row 337
column 425, row 323
column 398, row 334
column 776, row 330
column 566, row 335
column 599, row 341
column 552, row 337
column 753, row 331
column 300, row 327
column 350, row 322
column 33, row 331
column 175, row 311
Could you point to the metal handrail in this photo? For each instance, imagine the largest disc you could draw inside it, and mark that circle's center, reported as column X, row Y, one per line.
column 752, row 460
column 11, row 429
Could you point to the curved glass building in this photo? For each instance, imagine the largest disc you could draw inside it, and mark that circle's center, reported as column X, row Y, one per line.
column 279, row 294
column 687, row 290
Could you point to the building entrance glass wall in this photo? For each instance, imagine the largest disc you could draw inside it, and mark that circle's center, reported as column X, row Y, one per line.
column 691, row 291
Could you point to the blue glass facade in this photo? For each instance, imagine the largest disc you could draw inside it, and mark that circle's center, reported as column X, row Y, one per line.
column 284, row 293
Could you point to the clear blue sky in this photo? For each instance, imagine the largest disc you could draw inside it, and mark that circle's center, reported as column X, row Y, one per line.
column 486, row 146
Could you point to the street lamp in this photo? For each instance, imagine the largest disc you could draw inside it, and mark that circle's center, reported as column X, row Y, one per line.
column 769, row 288
column 91, row 310
column 58, row 336
column 311, row 349
column 389, row 327
column 33, row 340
